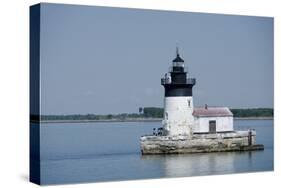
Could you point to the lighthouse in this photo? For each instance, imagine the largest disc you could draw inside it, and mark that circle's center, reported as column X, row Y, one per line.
column 178, row 101
column 189, row 129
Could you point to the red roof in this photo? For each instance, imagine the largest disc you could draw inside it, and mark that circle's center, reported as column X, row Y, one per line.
column 212, row 111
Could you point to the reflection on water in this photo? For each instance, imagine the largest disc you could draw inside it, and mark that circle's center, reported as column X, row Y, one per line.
column 203, row 164
column 194, row 164
column 107, row 152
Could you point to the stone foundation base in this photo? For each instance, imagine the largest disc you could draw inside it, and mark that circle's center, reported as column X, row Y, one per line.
column 200, row 143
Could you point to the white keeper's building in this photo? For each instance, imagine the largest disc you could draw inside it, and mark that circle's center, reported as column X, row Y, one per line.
column 212, row 120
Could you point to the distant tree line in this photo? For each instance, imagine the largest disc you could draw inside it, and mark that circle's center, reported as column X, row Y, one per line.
column 253, row 112
column 151, row 112
column 91, row 116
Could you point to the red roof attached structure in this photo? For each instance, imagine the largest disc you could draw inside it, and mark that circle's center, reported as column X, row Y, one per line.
column 212, row 112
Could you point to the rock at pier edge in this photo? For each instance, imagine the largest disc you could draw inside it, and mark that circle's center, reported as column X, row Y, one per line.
column 189, row 129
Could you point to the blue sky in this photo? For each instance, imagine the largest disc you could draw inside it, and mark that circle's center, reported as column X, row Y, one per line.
column 110, row 60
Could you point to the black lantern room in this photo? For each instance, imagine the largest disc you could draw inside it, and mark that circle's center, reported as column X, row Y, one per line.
column 176, row 82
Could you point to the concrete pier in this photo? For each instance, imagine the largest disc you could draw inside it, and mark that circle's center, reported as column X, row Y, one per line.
column 200, row 143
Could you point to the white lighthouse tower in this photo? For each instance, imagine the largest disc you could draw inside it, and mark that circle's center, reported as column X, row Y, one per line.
column 178, row 102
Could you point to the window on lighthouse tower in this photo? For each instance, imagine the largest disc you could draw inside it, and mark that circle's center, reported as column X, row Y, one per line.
column 166, row 115
column 188, row 103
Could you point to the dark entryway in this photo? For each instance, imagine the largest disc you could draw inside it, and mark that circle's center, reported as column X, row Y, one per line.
column 212, row 126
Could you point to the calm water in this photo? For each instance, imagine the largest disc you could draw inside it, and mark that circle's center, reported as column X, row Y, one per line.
column 94, row 152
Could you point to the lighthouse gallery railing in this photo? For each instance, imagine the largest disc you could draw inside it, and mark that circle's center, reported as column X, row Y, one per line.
column 167, row 80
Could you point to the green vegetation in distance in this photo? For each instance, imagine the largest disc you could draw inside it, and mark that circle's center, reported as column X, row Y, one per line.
column 253, row 112
column 151, row 112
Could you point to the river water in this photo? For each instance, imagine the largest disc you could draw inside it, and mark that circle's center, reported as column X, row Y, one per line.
column 95, row 152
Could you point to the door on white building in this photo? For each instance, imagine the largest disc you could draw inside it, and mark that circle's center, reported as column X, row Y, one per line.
column 212, row 126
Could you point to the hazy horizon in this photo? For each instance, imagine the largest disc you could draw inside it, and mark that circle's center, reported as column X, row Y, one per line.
column 98, row 60
column 129, row 112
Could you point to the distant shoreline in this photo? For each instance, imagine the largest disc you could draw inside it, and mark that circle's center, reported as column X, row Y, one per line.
column 253, row 118
column 103, row 121
column 136, row 120
column 146, row 114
